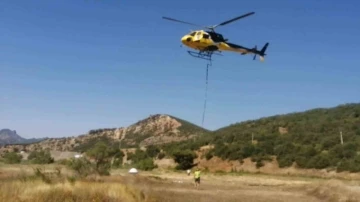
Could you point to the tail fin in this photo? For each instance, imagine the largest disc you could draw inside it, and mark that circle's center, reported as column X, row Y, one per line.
column 262, row 52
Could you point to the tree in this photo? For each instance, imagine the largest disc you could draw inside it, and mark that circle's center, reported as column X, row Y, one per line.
column 118, row 159
column 142, row 160
column 184, row 159
column 102, row 154
column 152, row 151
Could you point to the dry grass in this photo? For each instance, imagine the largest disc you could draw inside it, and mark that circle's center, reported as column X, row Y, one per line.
column 335, row 191
column 56, row 187
column 20, row 184
column 37, row 190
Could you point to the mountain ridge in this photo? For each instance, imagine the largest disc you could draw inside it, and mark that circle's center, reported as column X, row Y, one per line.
column 153, row 130
column 8, row 137
column 185, row 123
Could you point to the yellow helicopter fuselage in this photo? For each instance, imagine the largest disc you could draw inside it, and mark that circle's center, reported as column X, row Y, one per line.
column 202, row 41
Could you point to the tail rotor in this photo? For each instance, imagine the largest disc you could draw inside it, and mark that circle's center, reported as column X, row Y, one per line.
column 255, row 48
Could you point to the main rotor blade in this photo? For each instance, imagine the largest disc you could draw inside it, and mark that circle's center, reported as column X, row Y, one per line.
column 182, row 21
column 237, row 18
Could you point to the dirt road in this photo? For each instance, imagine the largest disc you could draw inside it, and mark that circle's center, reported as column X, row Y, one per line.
column 173, row 187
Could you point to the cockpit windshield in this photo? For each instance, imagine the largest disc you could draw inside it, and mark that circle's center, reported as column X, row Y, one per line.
column 192, row 33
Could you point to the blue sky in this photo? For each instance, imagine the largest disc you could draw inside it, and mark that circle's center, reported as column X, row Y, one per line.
column 70, row 66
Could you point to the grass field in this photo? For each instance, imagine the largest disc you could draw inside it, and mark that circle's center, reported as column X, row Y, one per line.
column 23, row 183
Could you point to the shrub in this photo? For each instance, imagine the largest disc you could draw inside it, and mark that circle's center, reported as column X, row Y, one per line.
column 40, row 157
column 81, row 166
column 285, row 161
column 209, row 155
column 161, row 155
column 12, row 158
column 146, row 164
column 319, row 161
column 184, row 159
column 259, row 164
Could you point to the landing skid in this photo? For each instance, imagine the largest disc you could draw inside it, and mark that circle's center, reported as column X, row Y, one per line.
column 206, row 55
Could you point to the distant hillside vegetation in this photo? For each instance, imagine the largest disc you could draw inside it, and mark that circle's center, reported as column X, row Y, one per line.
column 309, row 139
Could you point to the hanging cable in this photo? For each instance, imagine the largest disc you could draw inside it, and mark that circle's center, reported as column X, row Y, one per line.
column 206, row 88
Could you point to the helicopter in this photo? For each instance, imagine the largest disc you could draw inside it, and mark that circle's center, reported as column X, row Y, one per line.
column 207, row 41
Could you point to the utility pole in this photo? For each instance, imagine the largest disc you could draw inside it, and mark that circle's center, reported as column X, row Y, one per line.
column 341, row 137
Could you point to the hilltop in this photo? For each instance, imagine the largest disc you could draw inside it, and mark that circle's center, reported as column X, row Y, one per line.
column 154, row 130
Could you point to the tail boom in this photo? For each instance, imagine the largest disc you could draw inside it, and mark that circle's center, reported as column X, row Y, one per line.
column 244, row 50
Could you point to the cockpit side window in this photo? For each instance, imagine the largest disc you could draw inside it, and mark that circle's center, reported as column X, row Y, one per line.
column 206, row 36
column 215, row 37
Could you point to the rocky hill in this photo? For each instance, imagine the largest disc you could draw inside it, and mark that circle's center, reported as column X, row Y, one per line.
column 154, row 130
column 8, row 136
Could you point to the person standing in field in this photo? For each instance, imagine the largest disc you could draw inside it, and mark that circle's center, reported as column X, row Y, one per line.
column 197, row 177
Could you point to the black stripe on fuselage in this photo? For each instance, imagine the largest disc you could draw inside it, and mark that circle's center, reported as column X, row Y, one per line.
column 237, row 46
column 253, row 50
